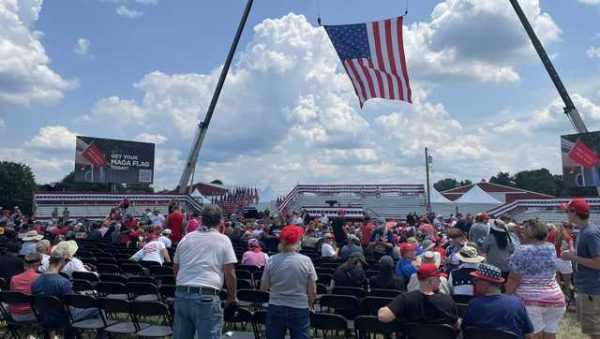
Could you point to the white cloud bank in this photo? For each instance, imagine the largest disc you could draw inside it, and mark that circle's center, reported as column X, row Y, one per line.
column 82, row 46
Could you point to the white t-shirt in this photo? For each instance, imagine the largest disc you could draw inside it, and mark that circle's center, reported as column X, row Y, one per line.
column 201, row 257
column 168, row 243
column 327, row 250
column 158, row 220
column 151, row 252
column 74, row 265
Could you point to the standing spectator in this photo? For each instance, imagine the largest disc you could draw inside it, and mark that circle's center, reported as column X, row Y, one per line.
column 480, row 229
column 460, row 280
column 164, row 238
column 194, row 223
column 22, row 283
column 327, row 249
column 10, row 264
column 587, row 259
column 337, row 224
column 405, row 267
column 174, row 222
column 157, row 218
column 154, row 251
column 42, row 247
column 353, row 246
column 562, row 241
column 254, row 255
column 29, row 240
column 366, row 232
column 201, row 262
column 65, row 215
column 423, row 306
column 296, row 219
column 385, row 278
column 351, row 273
column 532, row 278
column 291, row 279
column 498, row 247
column 493, row 310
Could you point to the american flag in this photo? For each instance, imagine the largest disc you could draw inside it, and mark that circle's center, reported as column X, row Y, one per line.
column 373, row 56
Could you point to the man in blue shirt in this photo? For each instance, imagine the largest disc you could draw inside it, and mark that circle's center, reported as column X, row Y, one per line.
column 404, row 267
column 493, row 310
column 587, row 261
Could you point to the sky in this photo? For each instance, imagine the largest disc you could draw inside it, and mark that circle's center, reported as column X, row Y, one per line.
column 146, row 70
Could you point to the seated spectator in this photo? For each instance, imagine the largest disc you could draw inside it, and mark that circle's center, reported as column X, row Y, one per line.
column 54, row 284
column 254, row 255
column 164, row 238
column 327, row 250
column 379, row 248
column 423, row 306
column 413, row 283
column 22, row 283
column 460, row 280
column 386, row 278
column 42, row 248
column 95, row 233
column 74, row 264
column 29, row 240
column 309, row 240
column 428, row 245
column 457, row 240
column 10, row 263
column 494, row 310
column 353, row 246
column 153, row 250
column 351, row 273
column 405, row 267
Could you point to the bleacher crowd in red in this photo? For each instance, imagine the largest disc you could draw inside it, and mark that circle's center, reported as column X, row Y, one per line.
column 207, row 276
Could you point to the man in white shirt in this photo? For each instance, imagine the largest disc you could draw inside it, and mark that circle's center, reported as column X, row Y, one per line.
column 164, row 238
column 296, row 219
column 154, row 250
column 203, row 259
column 157, row 219
column 327, row 250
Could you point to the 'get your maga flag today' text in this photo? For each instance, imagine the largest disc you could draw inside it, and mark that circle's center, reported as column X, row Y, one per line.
column 373, row 56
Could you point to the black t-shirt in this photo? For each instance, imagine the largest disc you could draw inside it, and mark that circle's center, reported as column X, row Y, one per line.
column 338, row 230
column 353, row 277
column 10, row 266
column 420, row 308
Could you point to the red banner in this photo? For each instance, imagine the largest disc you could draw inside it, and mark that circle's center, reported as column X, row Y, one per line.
column 94, row 155
column 584, row 155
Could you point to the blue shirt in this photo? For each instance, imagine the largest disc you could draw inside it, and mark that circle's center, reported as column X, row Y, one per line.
column 587, row 280
column 56, row 285
column 405, row 269
column 498, row 312
column 27, row 247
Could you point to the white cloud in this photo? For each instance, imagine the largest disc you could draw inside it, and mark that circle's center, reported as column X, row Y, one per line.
column 127, row 12
column 2, row 125
column 116, row 109
column 152, row 138
column 593, row 52
column 82, row 46
column 46, row 168
column 25, row 71
column 53, row 138
column 590, row 2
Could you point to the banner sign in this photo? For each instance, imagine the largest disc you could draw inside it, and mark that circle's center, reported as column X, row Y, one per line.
column 580, row 159
column 113, row 161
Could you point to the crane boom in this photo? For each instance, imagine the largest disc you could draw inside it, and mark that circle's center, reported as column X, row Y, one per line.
column 570, row 109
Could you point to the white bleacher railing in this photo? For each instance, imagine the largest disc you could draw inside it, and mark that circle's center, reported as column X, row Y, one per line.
column 529, row 203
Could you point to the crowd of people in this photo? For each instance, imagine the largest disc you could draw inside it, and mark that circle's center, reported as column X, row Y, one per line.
column 518, row 277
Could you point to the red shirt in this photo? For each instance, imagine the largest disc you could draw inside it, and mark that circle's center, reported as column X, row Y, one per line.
column 22, row 283
column 366, row 233
column 551, row 238
column 175, row 224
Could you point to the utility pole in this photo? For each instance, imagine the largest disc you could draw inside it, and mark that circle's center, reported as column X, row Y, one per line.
column 570, row 109
column 192, row 159
column 428, row 189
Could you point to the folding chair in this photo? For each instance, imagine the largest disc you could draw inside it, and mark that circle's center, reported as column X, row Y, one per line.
column 244, row 284
column 118, row 310
column 244, row 275
column 427, row 331
column 149, row 280
column 161, row 270
column 250, row 268
column 132, row 269
column 370, row 305
column 368, row 327
column 10, row 298
column 236, row 315
column 259, row 322
column 108, row 269
column 44, row 305
column 345, row 305
column 112, row 290
column 86, row 302
column 256, row 298
column 83, row 287
column 322, row 270
column 89, row 276
column 113, row 278
column 384, row 293
column 476, row 333
column 324, row 278
column 327, row 323
column 321, row 289
column 166, row 279
column 143, row 291
column 353, row 291
column 150, row 310
column 167, row 292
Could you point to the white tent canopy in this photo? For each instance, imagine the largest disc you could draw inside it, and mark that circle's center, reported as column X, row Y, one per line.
column 198, row 196
column 436, row 197
column 477, row 196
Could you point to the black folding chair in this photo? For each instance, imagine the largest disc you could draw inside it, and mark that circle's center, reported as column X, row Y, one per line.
column 370, row 305
column 167, row 292
column 329, row 323
column 143, row 291
column 165, row 279
column 353, row 291
column 322, row 270
column 368, row 327
column 427, row 331
column 256, row 298
column 345, row 305
column 142, row 311
column 259, row 323
column 244, row 275
column 14, row 298
column 118, row 278
column 138, row 279
column 89, row 276
column 44, row 305
column 250, row 268
column 321, row 289
column 117, row 311
column 86, row 302
column 83, row 287
column 476, row 333
column 161, row 270
column 112, row 290
column 132, row 269
column 236, row 315
column 244, row 284
column 324, row 278
column 108, row 269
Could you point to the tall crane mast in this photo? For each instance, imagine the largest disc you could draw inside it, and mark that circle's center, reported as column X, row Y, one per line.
column 569, row 109
column 190, row 165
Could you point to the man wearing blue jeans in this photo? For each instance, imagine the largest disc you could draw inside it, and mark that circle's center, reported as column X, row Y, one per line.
column 202, row 259
column 291, row 279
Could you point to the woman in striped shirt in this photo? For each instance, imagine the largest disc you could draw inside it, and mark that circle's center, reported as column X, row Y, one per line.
column 532, row 278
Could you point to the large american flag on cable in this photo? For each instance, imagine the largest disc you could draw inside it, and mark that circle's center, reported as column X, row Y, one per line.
column 373, row 56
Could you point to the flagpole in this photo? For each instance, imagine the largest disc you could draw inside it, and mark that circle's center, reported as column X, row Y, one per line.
column 428, row 189
column 190, row 166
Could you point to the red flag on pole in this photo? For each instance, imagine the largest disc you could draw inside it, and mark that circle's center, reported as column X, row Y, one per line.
column 584, row 155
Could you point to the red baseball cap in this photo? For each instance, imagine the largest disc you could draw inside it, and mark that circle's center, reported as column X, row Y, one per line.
column 290, row 234
column 577, row 205
column 406, row 247
column 427, row 271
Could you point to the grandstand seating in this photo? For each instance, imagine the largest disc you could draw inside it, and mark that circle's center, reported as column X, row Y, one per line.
column 545, row 210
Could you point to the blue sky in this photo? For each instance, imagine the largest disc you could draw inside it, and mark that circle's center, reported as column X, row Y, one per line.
column 146, row 69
